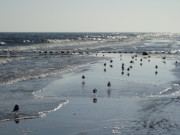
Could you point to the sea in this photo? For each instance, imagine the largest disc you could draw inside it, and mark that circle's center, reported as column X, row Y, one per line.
column 30, row 61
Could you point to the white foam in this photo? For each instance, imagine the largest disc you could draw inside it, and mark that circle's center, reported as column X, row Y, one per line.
column 2, row 43
column 166, row 91
column 55, row 109
column 10, row 59
column 176, row 84
column 59, row 71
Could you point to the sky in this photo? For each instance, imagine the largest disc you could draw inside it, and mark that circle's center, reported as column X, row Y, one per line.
column 90, row 16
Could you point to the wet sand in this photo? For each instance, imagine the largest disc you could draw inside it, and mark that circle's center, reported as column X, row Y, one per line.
column 132, row 105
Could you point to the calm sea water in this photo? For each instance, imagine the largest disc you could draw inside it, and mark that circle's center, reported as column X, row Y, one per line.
column 29, row 61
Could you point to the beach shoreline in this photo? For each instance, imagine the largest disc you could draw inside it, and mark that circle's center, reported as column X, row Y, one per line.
column 120, row 109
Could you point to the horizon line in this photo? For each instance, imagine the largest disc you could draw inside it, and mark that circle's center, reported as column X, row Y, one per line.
column 79, row 32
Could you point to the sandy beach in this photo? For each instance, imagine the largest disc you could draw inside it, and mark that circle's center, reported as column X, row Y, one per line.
column 139, row 101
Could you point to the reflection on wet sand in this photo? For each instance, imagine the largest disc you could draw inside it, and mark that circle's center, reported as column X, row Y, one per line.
column 83, row 83
column 109, row 92
column 95, row 98
column 16, row 118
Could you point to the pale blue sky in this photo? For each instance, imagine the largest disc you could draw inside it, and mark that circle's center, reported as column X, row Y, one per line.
column 89, row 15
